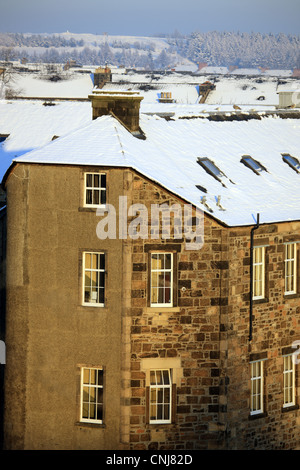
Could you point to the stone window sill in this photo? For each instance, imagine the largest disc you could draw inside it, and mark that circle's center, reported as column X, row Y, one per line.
column 258, row 416
column 286, row 409
column 291, row 296
column 90, row 425
column 260, row 301
column 162, row 309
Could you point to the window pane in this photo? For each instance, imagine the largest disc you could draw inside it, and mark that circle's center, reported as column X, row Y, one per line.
column 100, row 411
column 100, row 395
column 87, row 260
column 155, row 261
column 168, row 261
column 92, row 411
column 86, row 376
column 100, row 377
column 160, row 394
column 85, row 394
column 89, row 180
column 103, row 197
column 153, row 412
column 96, row 181
column 85, row 410
column 159, row 377
column 96, row 198
column 103, row 181
column 160, row 294
column 152, row 377
column 102, row 261
column 154, row 279
column 166, row 412
column 166, row 377
column 93, row 376
column 101, row 296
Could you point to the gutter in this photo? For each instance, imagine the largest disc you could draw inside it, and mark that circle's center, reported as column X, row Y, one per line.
column 251, row 276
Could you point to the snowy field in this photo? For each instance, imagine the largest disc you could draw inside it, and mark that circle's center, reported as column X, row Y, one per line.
column 31, row 124
column 231, row 89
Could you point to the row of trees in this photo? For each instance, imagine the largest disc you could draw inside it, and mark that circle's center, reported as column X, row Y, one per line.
column 241, row 49
column 92, row 56
column 38, row 40
column 214, row 48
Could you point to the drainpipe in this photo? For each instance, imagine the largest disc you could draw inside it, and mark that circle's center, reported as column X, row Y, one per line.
column 251, row 276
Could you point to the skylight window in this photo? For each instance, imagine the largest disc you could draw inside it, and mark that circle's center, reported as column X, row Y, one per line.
column 201, row 188
column 211, row 168
column 291, row 161
column 254, row 165
column 3, row 137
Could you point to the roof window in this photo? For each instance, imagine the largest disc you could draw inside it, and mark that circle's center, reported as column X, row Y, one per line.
column 201, row 188
column 211, row 168
column 3, row 137
column 254, row 165
column 291, row 161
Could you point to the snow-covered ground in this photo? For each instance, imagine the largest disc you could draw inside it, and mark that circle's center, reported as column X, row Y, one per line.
column 230, row 89
column 31, row 124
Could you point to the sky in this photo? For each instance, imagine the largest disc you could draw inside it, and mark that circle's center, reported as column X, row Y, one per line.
column 149, row 17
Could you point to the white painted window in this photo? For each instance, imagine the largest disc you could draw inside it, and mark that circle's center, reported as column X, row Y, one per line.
column 95, row 189
column 290, row 286
column 91, row 395
column 259, row 272
column 160, row 396
column 288, row 381
column 257, row 384
column 93, row 279
column 161, row 279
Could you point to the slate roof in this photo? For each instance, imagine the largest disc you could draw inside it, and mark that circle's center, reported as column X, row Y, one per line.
column 169, row 156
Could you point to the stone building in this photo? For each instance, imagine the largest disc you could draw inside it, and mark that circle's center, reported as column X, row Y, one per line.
column 102, row 75
column 130, row 328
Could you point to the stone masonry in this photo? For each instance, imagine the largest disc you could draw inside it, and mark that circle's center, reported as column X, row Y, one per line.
column 207, row 331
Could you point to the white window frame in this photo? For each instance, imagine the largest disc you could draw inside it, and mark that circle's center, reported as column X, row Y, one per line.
column 99, row 270
column 257, row 387
column 90, row 386
column 290, row 264
column 162, row 271
column 154, row 389
column 259, row 273
column 94, row 189
column 289, row 384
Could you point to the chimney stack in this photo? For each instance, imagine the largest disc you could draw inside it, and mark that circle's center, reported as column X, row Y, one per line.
column 125, row 106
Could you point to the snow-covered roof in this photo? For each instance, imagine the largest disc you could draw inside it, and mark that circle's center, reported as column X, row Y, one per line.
column 170, row 153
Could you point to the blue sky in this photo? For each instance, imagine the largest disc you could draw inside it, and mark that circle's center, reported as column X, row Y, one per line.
column 147, row 17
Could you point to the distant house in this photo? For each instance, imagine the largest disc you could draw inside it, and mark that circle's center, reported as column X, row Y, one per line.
column 166, row 97
column 102, row 75
column 152, row 284
column 289, row 98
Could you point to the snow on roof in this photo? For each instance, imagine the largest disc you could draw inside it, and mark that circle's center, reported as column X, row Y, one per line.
column 169, row 156
column 31, row 124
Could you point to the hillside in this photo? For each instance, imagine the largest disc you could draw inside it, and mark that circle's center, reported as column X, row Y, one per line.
column 214, row 48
